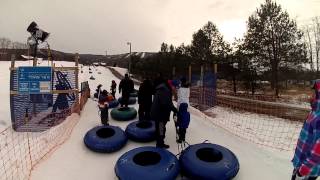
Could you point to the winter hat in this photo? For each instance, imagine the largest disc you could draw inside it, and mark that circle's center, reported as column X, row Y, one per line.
column 158, row 81
column 175, row 82
column 316, row 85
column 105, row 92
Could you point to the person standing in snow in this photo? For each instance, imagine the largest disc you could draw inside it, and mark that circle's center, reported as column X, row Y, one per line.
column 160, row 110
column 145, row 99
column 104, row 106
column 306, row 160
column 126, row 86
column 113, row 89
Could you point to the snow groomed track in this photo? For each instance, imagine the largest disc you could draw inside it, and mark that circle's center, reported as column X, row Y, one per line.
column 74, row 161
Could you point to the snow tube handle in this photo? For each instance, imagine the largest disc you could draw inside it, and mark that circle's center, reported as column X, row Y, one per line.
column 170, row 167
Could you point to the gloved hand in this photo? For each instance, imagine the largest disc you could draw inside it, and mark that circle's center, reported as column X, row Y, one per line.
column 175, row 117
column 301, row 177
column 298, row 175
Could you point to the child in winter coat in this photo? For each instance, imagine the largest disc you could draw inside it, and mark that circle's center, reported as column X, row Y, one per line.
column 183, row 121
column 103, row 106
column 306, row 160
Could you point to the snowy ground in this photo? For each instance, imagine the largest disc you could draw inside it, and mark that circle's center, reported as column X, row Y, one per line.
column 74, row 161
column 264, row 130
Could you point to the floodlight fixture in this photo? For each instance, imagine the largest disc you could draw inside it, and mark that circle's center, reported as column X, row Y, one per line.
column 37, row 35
column 36, row 32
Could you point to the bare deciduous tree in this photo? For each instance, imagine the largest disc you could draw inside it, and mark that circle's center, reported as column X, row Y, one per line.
column 5, row 43
column 19, row 45
column 316, row 31
column 308, row 41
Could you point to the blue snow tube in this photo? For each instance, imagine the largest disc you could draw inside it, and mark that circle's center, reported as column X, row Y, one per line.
column 105, row 139
column 209, row 161
column 123, row 113
column 141, row 131
column 147, row 163
column 132, row 100
column 114, row 103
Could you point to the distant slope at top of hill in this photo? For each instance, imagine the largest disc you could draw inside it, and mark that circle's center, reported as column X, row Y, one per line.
column 120, row 60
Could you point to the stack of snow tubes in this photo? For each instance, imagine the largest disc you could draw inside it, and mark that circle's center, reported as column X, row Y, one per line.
column 132, row 100
column 209, row 161
column 147, row 163
column 123, row 113
column 105, row 139
column 141, row 131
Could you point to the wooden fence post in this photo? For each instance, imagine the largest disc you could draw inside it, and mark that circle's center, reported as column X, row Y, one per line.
column 13, row 60
column 173, row 72
column 77, row 80
column 215, row 68
column 201, row 75
column 190, row 71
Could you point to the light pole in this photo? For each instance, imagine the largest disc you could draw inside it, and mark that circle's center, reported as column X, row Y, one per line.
column 129, row 69
column 234, row 69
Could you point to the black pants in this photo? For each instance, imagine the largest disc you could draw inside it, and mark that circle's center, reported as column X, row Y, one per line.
column 125, row 100
column 160, row 132
column 182, row 134
column 295, row 174
column 113, row 93
column 144, row 112
column 104, row 115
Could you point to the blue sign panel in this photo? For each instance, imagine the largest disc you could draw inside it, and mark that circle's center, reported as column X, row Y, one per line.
column 34, row 80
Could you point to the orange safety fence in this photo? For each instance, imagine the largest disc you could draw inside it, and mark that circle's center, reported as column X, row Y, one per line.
column 20, row 152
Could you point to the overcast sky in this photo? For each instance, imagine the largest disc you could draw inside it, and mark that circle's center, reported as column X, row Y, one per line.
column 94, row 26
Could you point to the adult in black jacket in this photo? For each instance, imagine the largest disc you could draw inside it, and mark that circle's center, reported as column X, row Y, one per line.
column 160, row 111
column 126, row 86
column 145, row 99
